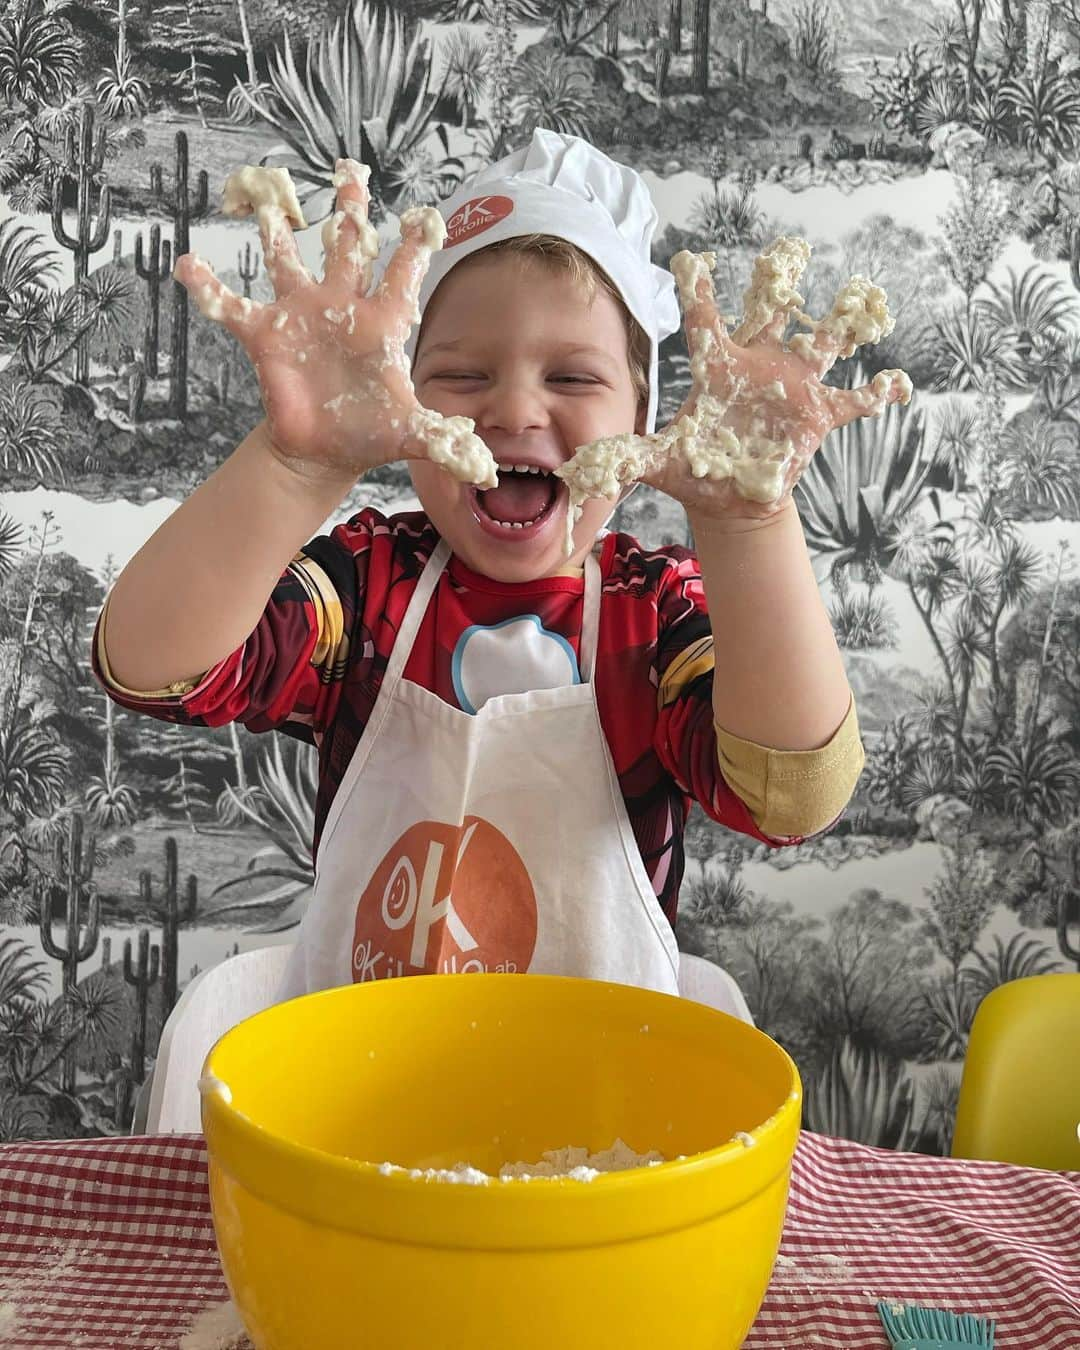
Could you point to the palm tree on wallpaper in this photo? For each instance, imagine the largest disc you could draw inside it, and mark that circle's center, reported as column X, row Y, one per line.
column 40, row 60
column 463, row 59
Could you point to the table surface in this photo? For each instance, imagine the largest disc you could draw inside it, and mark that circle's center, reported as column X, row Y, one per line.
column 108, row 1243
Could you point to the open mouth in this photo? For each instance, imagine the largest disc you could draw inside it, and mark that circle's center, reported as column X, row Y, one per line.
column 525, row 499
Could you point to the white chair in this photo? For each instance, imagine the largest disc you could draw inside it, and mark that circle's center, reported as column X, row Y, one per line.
column 218, row 998
column 211, row 1004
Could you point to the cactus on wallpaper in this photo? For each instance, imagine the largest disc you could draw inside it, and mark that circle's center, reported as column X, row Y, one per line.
column 142, row 977
column 185, row 205
column 73, row 869
column 700, row 80
column 83, row 159
column 663, row 65
column 154, row 265
column 1074, row 255
column 675, row 26
column 1070, row 950
column 611, row 46
column 742, row 59
column 136, row 390
column 173, row 912
column 247, row 264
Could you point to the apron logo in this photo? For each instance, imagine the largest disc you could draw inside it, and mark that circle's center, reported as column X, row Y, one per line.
column 477, row 214
column 446, row 899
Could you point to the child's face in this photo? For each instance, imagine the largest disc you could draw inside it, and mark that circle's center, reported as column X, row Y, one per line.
column 513, row 343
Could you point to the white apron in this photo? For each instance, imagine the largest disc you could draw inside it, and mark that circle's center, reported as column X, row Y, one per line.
column 490, row 841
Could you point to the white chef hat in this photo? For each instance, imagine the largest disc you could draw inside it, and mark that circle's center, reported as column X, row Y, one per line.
column 563, row 186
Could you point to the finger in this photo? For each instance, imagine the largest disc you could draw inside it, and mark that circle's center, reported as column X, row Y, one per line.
column 214, row 299
column 869, row 400
column 284, row 265
column 693, row 274
column 859, row 316
column 350, row 242
column 422, row 232
column 773, row 298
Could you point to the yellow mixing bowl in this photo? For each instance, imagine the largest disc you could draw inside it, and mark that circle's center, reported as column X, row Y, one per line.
column 322, row 1251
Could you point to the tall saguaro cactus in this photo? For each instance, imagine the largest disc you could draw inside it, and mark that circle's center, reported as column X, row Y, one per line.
column 154, row 266
column 675, row 26
column 184, row 206
column 248, row 266
column 142, row 977
column 701, row 47
column 83, row 159
column 74, row 873
column 1069, row 949
column 663, row 65
column 172, row 916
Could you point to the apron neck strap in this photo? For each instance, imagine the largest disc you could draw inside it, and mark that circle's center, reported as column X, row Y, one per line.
column 425, row 589
column 414, row 615
column 590, row 619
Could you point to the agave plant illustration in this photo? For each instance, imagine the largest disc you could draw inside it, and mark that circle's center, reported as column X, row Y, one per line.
column 110, row 801
column 861, row 486
column 864, row 1095
column 30, row 434
column 1030, row 313
column 39, row 56
column 1046, row 103
column 121, row 92
column 33, row 765
column 1039, row 466
column 969, row 352
column 554, row 93
column 950, row 1010
column 22, row 973
column 362, row 90
column 1024, row 955
column 284, row 811
column 1038, row 778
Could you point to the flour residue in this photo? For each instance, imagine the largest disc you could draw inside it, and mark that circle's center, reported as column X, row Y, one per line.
column 572, row 1163
column 217, row 1328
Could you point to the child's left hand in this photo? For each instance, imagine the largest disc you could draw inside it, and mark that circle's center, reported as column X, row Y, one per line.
column 757, row 409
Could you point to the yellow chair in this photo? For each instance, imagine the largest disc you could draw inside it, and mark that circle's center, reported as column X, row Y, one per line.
column 1020, row 1093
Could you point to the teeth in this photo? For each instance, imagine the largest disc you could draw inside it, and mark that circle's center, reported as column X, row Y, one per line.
column 520, row 468
column 515, row 524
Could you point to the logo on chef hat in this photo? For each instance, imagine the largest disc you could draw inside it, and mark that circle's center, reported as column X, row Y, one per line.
column 475, row 216
column 446, row 899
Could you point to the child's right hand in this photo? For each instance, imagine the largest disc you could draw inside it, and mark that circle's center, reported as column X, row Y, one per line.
column 330, row 358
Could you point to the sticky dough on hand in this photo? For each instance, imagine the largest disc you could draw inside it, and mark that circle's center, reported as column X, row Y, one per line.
column 450, row 442
column 254, row 188
column 711, row 448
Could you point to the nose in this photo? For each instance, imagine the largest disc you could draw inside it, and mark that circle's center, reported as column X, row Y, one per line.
column 513, row 406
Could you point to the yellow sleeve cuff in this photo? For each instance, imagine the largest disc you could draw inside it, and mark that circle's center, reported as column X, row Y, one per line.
column 175, row 690
column 794, row 793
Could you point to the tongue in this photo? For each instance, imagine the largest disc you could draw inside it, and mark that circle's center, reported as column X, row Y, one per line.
column 519, row 497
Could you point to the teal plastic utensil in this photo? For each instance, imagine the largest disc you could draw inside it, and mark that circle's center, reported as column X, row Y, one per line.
column 911, row 1328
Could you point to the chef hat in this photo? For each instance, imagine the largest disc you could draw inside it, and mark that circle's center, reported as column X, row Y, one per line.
column 563, row 186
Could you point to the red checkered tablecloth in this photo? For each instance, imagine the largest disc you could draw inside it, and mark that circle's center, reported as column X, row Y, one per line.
column 107, row 1244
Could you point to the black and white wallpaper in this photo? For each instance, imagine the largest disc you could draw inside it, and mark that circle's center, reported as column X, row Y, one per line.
column 931, row 144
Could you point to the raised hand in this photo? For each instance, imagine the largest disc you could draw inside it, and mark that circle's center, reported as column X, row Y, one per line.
column 329, row 356
column 757, row 409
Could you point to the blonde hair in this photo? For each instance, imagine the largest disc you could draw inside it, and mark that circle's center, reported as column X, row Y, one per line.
column 587, row 274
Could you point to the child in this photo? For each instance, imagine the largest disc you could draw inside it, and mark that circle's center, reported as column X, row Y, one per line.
column 509, row 739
